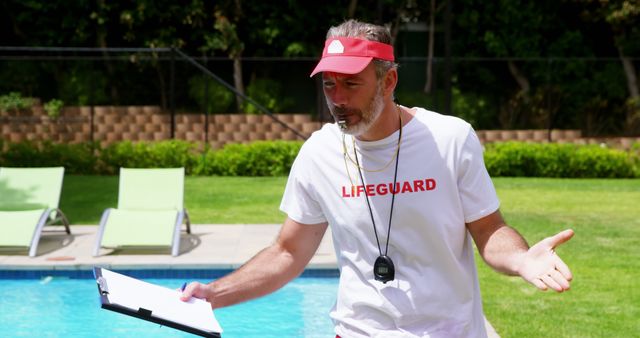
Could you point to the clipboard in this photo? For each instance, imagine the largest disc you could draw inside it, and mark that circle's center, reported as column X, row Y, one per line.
column 154, row 303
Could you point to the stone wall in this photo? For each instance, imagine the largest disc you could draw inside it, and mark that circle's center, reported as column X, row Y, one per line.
column 556, row 136
column 149, row 123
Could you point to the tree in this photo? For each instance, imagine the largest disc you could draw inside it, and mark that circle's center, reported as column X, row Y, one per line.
column 527, row 36
column 622, row 17
column 433, row 9
column 226, row 39
column 161, row 24
column 101, row 17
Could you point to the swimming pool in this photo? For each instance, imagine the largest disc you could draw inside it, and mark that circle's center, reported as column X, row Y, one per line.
column 60, row 306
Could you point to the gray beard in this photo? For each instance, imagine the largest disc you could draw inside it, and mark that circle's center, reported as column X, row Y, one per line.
column 369, row 115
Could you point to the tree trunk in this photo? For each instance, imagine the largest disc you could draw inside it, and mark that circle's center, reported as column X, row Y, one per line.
column 101, row 37
column 237, row 81
column 14, row 25
column 630, row 73
column 522, row 80
column 432, row 27
column 394, row 30
column 113, row 89
column 239, row 12
column 351, row 11
column 163, row 86
column 633, row 104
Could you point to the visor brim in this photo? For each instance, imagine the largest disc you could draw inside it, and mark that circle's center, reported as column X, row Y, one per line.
column 342, row 64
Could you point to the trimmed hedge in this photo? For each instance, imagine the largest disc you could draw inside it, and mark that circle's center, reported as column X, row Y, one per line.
column 262, row 158
column 559, row 160
column 274, row 158
column 76, row 158
column 163, row 154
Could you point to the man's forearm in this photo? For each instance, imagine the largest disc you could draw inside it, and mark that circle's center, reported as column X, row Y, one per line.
column 266, row 272
column 504, row 249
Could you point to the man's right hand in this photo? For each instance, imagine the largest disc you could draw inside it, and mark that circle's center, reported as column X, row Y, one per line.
column 197, row 290
column 267, row 271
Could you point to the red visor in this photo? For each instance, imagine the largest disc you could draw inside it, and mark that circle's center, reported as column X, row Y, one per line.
column 350, row 55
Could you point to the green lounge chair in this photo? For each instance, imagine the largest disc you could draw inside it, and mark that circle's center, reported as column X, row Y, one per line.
column 29, row 200
column 150, row 211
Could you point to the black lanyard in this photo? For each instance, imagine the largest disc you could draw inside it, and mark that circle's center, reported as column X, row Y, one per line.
column 383, row 268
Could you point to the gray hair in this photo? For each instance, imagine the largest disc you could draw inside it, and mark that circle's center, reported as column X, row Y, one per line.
column 356, row 29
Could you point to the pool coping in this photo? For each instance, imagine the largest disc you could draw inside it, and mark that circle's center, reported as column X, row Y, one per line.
column 209, row 246
column 204, row 275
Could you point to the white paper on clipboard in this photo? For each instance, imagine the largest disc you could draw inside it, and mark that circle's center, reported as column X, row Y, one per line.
column 161, row 302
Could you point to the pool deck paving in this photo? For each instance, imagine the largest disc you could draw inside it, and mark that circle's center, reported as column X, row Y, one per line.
column 211, row 246
column 220, row 246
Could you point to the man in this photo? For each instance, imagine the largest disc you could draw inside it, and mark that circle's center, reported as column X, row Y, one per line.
column 405, row 191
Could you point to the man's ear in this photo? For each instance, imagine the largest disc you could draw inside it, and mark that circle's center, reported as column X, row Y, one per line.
column 390, row 81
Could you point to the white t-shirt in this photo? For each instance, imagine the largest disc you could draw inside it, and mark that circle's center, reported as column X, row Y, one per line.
column 441, row 184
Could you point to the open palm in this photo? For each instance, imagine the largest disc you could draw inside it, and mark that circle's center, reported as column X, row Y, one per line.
column 542, row 267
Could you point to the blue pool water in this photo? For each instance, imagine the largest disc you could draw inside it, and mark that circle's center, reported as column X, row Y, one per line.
column 64, row 307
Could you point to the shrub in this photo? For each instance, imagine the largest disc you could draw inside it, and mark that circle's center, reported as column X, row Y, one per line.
column 413, row 98
column 635, row 155
column 557, row 160
column 594, row 161
column 163, row 154
column 261, row 158
column 83, row 85
column 22, row 154
column 15, row 102
column 518, row 159
column 217, row 98
column 76, row 158
column 274, row 158
column 269, row 94
column 53, row 108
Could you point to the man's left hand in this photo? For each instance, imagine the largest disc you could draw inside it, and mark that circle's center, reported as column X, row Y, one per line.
column 542, row 267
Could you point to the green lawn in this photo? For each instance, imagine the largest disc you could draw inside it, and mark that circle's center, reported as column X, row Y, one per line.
column 604, row 257
column 214, row 200
column 604, row 254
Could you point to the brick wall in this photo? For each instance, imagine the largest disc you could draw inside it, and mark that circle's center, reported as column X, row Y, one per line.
column 149, row 123
column 557, row 136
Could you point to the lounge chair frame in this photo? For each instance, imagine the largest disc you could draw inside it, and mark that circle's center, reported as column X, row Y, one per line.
column 51, row 214
column 182, row 216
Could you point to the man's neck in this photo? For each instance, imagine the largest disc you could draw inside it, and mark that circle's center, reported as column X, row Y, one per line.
column 387, row 123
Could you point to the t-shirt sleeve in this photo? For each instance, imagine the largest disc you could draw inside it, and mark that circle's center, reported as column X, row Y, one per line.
column 299, row 201
column 477, row 193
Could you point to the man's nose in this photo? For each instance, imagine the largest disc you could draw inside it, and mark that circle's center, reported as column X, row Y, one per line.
column 338, row 96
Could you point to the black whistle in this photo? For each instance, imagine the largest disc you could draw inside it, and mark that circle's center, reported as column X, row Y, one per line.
column 383, row 269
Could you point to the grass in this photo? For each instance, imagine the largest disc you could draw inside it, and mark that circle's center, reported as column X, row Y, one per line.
column 215, row 200
column 604, row 300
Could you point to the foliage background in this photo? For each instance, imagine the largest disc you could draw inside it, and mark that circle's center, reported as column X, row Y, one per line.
column 275, row 158
column 516, row 64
